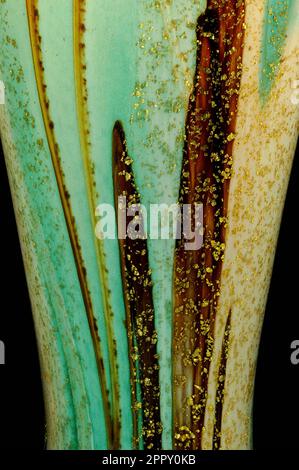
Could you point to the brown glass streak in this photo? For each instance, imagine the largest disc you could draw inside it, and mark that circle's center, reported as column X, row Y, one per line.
column 221, row 386
column 137, row 286
column 206, row 173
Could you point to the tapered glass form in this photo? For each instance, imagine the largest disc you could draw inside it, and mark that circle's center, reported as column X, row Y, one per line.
column 146, row 341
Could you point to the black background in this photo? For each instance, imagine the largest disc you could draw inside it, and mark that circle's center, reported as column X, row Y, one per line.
column 276, row 406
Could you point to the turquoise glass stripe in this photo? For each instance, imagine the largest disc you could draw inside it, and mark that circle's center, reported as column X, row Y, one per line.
column 279, row 14
column 67, row 356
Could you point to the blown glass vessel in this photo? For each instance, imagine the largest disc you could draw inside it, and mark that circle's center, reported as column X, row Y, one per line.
column 143, row 343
